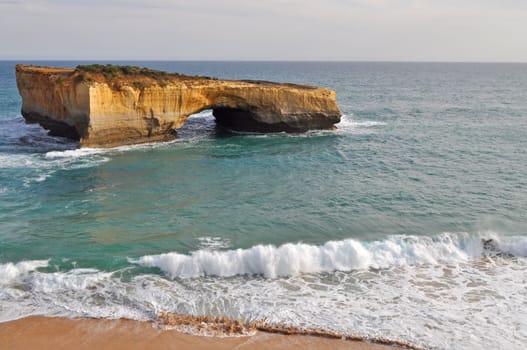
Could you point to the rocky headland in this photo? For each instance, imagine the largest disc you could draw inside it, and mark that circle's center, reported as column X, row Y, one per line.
column 107, row 106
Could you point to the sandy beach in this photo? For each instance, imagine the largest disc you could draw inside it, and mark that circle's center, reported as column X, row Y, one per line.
column 60, row 333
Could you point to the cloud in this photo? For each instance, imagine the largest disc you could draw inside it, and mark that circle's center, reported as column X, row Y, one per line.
column 9, row 2
column 272, row 29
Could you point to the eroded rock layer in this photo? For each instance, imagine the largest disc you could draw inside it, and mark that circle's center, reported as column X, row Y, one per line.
column 127, row 105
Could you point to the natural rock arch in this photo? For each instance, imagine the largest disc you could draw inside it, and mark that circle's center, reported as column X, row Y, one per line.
column 136, row 108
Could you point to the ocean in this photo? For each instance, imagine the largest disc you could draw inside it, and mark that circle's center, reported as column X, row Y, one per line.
column 407, row 222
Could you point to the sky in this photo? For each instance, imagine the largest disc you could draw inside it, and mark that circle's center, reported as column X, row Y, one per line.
column 348, row 30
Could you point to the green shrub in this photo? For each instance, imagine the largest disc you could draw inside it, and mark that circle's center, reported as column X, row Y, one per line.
column 112, row 71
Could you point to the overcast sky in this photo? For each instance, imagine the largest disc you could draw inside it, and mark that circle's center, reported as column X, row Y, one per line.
column 377, row 30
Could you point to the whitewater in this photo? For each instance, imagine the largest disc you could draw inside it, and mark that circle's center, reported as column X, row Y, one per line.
column 370, row 288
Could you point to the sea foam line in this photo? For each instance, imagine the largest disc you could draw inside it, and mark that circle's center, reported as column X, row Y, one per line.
column 227, row 327
column 296, row 258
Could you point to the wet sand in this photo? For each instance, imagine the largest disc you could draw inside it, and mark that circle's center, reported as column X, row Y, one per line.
column 59, row 333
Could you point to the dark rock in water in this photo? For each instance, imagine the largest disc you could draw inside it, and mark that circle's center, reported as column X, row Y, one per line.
column 489, row 244
column 493, row 247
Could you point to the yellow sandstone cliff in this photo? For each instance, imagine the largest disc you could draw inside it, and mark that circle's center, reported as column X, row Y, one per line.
column 105, row 107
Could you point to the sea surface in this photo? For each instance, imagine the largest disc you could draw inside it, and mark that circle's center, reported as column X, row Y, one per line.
column 408, row 222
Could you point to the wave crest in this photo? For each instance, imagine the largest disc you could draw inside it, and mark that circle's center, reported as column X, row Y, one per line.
column 346, row 255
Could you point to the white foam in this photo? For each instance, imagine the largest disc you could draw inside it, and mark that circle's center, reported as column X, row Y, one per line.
column 11, row 272
column 52, row 159
column 349, row 124
column 76, row 293
column 346, row 255
column 430, row 291
column 91, row 153
column 206, row 114
column 38, row 167
column 74, row 153
column 214, row 243
column 76, row 279
column 14, row 161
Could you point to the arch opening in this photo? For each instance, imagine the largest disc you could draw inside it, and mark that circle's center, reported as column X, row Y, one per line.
column 223, row 121
column 200, row 124
column 238, row 119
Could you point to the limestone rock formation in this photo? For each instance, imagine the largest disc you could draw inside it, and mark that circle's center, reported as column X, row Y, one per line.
column 107, row 106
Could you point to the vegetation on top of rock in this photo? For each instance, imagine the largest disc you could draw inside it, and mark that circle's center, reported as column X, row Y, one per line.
column 113, row 71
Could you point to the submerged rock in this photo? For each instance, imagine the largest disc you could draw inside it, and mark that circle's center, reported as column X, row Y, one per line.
column 107, row 106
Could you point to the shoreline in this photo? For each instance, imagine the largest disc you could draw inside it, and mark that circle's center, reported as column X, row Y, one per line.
column 62, row 333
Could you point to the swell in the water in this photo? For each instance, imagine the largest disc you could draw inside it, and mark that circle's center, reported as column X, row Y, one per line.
column 346, row 255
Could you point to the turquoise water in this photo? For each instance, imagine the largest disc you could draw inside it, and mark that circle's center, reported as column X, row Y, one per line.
column 375, row 228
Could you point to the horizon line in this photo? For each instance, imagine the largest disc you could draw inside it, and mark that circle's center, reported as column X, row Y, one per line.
column 255, row 60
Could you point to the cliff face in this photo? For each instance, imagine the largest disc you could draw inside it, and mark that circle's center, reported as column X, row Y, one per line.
column 104, row 111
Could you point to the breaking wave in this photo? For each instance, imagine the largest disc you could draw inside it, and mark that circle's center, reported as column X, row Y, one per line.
column 10, row 272
column 476, row 281
column 346, row 255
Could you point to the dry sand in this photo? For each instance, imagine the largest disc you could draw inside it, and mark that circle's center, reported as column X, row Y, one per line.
column 60, row 333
